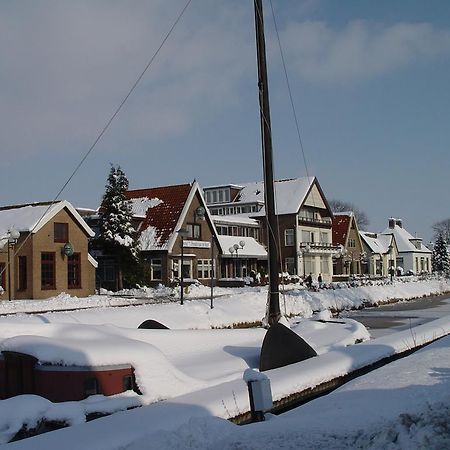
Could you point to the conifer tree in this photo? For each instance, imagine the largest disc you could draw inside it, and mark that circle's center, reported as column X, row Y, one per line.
column 117, row 234
column 440, row 259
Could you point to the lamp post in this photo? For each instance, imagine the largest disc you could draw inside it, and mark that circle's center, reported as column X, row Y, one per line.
column 234, row 249
column 212, row 271
column 12, row 236
column 304, row 248
column 182, row 232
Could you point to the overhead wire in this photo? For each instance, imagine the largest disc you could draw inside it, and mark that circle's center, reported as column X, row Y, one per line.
column 105, row 128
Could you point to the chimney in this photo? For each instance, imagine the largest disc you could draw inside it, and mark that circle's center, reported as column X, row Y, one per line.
column 398, row 222
column 392, row 222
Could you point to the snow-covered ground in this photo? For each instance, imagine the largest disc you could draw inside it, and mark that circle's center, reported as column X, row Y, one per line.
column 239, row 306
column 167, row 363
column 193, row 363
column 402, row 405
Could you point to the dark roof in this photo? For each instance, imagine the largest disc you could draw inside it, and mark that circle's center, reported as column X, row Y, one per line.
column 164, row 216
column 340, row 228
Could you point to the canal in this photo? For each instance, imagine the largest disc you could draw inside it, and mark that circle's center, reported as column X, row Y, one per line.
column 387, row 319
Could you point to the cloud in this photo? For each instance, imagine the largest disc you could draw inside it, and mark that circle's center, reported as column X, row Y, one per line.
column 67, row 65
column 360, row 50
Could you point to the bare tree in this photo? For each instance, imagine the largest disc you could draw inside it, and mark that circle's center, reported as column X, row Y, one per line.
column 442, row 228
column 361, row 217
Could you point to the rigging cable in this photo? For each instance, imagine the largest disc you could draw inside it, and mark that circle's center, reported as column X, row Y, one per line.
column 105, row 128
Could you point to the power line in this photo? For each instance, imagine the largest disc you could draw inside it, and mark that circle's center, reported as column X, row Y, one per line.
column 107, row 125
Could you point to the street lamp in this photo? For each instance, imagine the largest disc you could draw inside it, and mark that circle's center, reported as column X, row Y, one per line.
column 12, row 236
column 182, row 232
column 304, row 248
column 234, row 249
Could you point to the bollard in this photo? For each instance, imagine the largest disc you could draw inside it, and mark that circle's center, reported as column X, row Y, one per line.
column 260, row 394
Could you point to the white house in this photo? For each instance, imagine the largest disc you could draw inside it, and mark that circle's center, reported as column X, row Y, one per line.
column 412, row 254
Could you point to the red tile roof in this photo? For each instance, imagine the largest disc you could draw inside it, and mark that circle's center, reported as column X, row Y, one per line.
column 340, row 228
column 164, row 216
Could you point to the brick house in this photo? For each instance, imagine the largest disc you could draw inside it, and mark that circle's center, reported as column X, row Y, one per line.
column 163, row 212
column 351, row 260
column 50, row 255
column 304, row 217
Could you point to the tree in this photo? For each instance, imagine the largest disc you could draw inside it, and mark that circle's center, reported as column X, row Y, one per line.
column 442, row 228
column 361, row 217
column 439, row 259
column 117, row 234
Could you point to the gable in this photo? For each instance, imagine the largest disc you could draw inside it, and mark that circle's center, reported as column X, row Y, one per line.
column 314, row 198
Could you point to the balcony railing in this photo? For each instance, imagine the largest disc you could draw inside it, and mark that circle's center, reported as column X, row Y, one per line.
column 321, row 247
column 314, row 220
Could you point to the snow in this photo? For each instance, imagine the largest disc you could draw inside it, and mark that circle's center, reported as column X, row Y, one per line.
column 252, row 248
column 140, row 205
column 204, row 375
column 150, row 239
column 375, row 410
column 378, row 243
column 289, row 194
column 403, row 239
column 34, row 217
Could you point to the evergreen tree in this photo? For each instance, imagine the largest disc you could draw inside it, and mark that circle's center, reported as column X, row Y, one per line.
column 117, row 234
column 439, row 259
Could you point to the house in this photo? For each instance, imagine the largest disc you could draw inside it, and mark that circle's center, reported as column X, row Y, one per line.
column 381, row 252
column 413, row 256
column 243, row 254
column 44, row 251
column 304, row 218
column 176, row 232
column 351, row 258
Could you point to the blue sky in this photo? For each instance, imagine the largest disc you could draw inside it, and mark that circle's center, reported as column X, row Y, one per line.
column 369, row 81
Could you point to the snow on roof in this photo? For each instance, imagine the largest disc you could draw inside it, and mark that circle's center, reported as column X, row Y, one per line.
column 404, row 239
column 162, row 208
column 140, row 205
column 31, row 218
column 243, row 219
column 378, row 243
column 252, row 248
column 289, row 194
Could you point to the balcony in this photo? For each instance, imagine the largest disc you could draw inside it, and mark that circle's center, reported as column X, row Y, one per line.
column 319, row 247
column 324, row 221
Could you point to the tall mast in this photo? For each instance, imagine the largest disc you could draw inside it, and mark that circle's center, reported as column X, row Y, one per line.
column 266, row 136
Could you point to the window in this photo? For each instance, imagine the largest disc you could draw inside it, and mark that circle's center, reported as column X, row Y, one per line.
column 204, row 269
column 289, row 266
column 324, row 264
column 194, row 230
column 351, row 243
column 289, row 238
column 74, row 271
column 308, row 236
column 324, row 237
column 127, row 383
column 91, row 387
column 155, row 269
column 3, row 275
column 48, row 270
column 61, row 232
column 309, row 264
column 22, row 273
column 187, row 269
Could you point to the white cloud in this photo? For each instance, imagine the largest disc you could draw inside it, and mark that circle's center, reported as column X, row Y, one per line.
column 360, row 50
column 66, row 66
